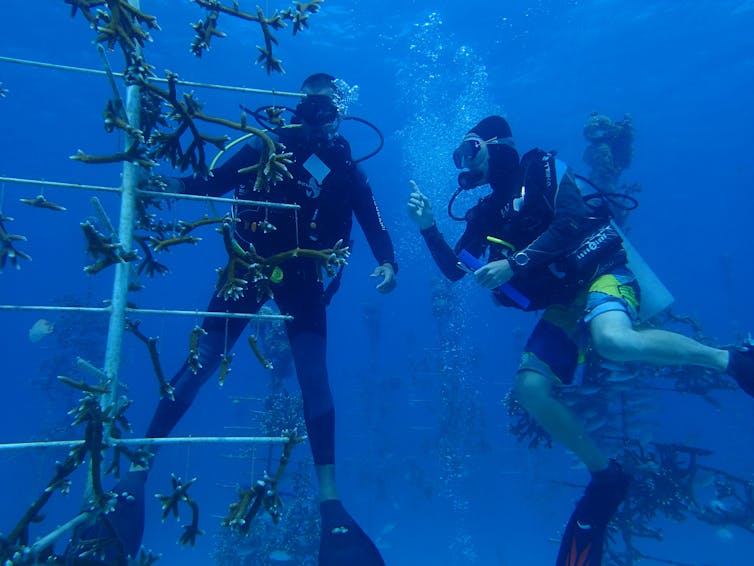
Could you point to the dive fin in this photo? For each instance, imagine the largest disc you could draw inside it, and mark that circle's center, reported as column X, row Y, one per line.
column 584, row 537
column 343, row 542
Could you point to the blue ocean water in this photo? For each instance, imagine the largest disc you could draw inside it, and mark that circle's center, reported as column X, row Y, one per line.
column 425, row 459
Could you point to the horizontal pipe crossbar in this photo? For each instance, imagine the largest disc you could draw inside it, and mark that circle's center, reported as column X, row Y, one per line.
column 153, row 194
column 151, row 442
column 88, row 71
column 129, row 310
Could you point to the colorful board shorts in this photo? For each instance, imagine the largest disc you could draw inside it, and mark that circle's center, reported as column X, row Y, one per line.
column 557, row 345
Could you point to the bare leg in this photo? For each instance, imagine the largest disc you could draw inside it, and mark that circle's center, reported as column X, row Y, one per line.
column 533, row 390
column 615, row 339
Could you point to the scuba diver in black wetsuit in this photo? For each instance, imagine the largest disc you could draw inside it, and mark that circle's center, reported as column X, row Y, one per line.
column 550, row 248
column 330, row 188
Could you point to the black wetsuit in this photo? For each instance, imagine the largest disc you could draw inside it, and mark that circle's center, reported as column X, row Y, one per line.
column 547, row 220
column 324, row 218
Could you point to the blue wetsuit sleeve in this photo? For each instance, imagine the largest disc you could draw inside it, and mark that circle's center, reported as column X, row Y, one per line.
column 368, row 216
column 565, row 231
column 224, row 178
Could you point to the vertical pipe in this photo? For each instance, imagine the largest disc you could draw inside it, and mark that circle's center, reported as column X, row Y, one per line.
column 119, row 299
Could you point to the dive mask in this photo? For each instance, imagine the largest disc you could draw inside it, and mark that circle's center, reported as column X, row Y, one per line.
column 317, row 110
column 465, row 154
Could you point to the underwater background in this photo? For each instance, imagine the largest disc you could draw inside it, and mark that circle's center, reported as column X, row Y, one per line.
column 426, row 462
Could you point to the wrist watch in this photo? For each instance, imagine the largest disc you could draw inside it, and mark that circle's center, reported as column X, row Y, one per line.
column 520, row 259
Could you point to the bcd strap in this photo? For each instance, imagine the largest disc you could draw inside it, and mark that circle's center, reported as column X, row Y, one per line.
column 560, row 169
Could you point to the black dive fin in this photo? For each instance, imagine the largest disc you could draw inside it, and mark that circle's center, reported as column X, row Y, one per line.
column 116, row 536
column 584, row 537
column 343, row 542
column 582, row 544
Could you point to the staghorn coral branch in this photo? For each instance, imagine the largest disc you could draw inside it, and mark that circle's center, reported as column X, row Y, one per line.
column 185, row 227
column 207, row 29
column 122, row 24
column 248, row 267
column 99, row 245
column 8, row 251
column 263, row 493
column 259, row 354
column 41, row 202
column 134, row 154
column 225, row 369
column 165, row 245
column 166, row 389
column 194, row 360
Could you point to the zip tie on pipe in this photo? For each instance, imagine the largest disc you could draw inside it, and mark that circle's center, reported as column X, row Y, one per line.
column 153, row 194
column 44, row 65
column 130, row 310
column 179, row 440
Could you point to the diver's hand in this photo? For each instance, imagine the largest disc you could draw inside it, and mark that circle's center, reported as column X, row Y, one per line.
column 419, row 208
column 389, row 280
column 494, row 274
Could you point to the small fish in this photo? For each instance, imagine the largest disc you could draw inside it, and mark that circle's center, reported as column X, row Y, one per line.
column 40, row 329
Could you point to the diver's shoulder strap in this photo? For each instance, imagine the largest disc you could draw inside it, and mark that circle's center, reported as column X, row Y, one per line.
column 560, row 169
column 555, row 169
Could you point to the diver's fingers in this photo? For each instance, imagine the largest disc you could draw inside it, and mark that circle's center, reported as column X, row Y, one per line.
column 420, row 198
column 416, row 191
column 416, row 203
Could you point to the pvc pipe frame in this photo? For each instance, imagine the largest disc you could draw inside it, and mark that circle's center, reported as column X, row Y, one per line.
column 153, row 194
column 178, row 440
column 231, row 88
column 129, row 310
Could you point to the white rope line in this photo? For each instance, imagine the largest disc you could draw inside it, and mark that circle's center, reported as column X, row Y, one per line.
column 178, row 440
column 153, row 194
column 206, row 314
column 244, row 89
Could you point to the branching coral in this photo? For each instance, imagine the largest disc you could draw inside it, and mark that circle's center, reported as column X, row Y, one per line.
column 41, row 202
column 122, row 24
column 262, row 494
column 225, row 369
column 8, row 251
column 159, row 245
column 185, row 112
column 89, row 413
column 259, row 355
column 100, row 246
column 170, row 506
column 207, row 29
column 135, row 153
column 194, row 359
column 166, row 390
column 246, row 268
column 149, row 265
